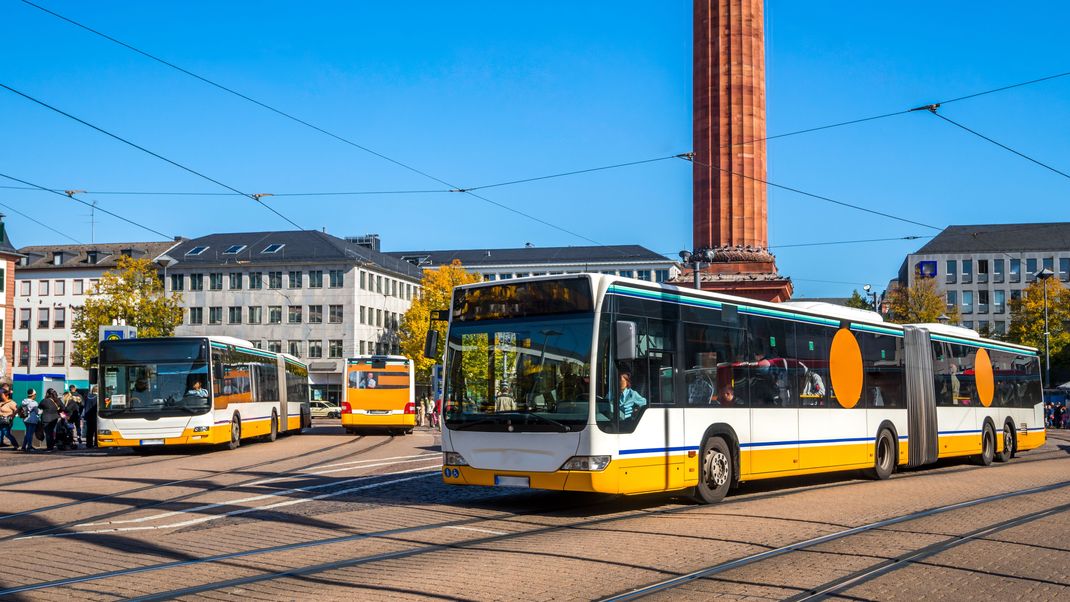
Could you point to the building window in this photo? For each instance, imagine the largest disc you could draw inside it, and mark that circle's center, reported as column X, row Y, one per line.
column 273, row 248
column 1049, row 264
column 78, row 286
column 361, row 314
column 315, row 349
column 24, row 353
column 379, row 318
column 274, row 346
column 274, row 279
column 1031, row 269
column 234, row 315
column 24, row 288
column 196, row 315
column 334, row 348
column 1016, row 270
column 295, row 348
column 363, row 285
column 24, row 317
column 235, row 281
column 394, row 288
column 315, row 280
column 952, row 271
column 295, row 279
column 194, row 251
column 275, row 314
column 1000, row 306
column 42, row 287
column 997, row 271
column 256, row 280
column 952, row 300
column 982, row 301
column 1000, row 327
column 967, row 271
column 258, row 344
column 42, row 353
column 337, row 278
column 643, row 274
column 315, row 314
column 661, row 275
column 1016, row 295
column 178, row 283
column 42, row 317
column 967, row 324
column 93, row 285
column 215, row 281
column 233, row 249
column 362, row 347
column 379, row 284
column 1064, row 268
column 256, row 314
column 334, row 315
column 60, row 287
column 295, row 314
column 196, row 282
column 982, row 271
column 59, row 353
column 59, row 318
column 967, row 302
column 215, row 315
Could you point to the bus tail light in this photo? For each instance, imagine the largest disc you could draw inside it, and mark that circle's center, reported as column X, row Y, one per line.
column 453, row 459
column 587, row 463
column 346, row 408
column 410, row 408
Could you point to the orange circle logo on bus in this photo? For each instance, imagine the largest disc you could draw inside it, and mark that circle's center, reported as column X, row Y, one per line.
column 983, row 378
column 845, row 367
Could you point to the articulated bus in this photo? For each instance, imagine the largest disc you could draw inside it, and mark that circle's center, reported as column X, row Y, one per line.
column 197, row 391
column 606, row 384
column 380, row 394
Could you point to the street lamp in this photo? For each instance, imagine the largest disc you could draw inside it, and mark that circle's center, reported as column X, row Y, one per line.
column 1043, row 275
column 870, row 292
column 695, row 260
column 943, row 319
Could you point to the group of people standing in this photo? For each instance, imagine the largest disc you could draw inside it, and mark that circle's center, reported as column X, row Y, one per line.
column 426, row 414
column 58, row 421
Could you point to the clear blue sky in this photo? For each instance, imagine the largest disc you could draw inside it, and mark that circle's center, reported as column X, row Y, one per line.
column 477, row 93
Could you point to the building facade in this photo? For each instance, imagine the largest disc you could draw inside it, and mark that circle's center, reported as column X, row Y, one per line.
column 52, row 283
column 632, row 261
column 316, row 296
column 982, row 268
column 9, row 257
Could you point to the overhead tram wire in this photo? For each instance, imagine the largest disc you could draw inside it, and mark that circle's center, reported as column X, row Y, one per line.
column 306, row 124
column 40, row 223
column 848, row 242
column 254, row 196
column 98, row 208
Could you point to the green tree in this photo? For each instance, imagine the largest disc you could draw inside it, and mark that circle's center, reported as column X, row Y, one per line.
column 921, row 303
column 133, row 293
column 857, row 301
column 436, row 290
column 1027, row 317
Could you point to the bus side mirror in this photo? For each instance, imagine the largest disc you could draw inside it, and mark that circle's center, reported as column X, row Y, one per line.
column 626, row 340
column 93, row 376
column 431, row 344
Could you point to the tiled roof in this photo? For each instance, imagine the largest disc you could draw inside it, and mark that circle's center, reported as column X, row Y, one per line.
column 535, row 255
column 291, row 246
column 77, row 256
column 990, row 238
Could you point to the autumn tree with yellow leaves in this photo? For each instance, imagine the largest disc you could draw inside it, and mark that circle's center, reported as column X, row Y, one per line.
column 437, row 287
column 1027, row 322
column 920, row 304
column 132, row 293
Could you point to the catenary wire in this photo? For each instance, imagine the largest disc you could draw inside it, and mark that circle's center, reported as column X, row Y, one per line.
column 145, row 150
column 999, row 144
column 306, row 124
column 40, row 223
column 98, row 208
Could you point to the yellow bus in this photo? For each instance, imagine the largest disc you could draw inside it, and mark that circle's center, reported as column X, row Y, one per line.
column 379, row 394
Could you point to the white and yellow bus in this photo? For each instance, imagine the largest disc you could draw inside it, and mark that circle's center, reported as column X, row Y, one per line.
column 606, row 384
column 197, row 391
column 380, row 394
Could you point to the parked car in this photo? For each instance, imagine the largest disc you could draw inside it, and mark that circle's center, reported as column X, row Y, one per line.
column 326, row 409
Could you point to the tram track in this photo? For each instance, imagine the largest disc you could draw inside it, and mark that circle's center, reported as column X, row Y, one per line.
column 178, row 483
column 472, row 524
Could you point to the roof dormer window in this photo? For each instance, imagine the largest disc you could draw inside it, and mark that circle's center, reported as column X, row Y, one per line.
column 126, row 252
column 57, row 258
column 234, row 249
column 196, row 251
column 91, row 257
column 273, row 248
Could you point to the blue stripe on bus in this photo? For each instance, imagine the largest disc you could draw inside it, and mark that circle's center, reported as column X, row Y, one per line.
column 652, row 450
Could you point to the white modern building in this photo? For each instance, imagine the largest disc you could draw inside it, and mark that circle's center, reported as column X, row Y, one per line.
column 51, row 283
column 982, row 268
column 316, row 296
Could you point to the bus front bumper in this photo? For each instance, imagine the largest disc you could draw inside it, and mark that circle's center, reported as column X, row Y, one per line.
column 215, row 435
column 380, row 420
column 622, row 476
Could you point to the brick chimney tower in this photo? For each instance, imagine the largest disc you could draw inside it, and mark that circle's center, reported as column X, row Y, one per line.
column 730, row 212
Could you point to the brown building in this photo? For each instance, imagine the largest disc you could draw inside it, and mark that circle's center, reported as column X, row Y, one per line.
column 8, row 258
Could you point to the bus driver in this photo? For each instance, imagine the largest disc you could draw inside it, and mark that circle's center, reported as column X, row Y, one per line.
column 630, row 400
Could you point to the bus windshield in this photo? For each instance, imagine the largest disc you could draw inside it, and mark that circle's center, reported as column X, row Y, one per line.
column 155, row 389
column 530, row 374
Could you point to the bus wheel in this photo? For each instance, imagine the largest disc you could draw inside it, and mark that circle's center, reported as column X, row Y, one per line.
column 1009, row 443
column 715, row 471
column 235, row 433
column 274, row 434
column 988, row 446
column 884, row 456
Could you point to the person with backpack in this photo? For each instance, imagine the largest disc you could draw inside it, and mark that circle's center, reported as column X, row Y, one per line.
column 8, row 411
column 89, row 414
column 51, row 407
column 30, row 414
column 75, row 418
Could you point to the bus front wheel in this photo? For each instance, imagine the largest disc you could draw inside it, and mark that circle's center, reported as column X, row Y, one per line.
column 988, row 446
column 274, row 434
column 884, row 456
column 715, row 471
column 235, row 433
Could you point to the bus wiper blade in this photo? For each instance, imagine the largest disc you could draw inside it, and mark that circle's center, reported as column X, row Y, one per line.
column 564, row 427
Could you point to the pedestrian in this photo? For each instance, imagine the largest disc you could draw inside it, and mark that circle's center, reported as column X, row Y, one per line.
column 89, row 413
column 31, row 416
column 1057, row 416
column 8, row 411
column 70, row 414
column 73, row 400
column 51, row 406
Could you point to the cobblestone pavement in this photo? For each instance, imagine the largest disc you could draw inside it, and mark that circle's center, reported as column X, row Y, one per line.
column 328, row 515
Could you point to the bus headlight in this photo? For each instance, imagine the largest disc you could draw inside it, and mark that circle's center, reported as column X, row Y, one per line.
column 104, row 432
column 201, row 429
column 453, row 459
column 587, row 463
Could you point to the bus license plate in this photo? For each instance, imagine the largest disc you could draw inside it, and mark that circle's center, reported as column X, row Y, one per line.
column 152, row 441
column 378, row 412
column 512, row 481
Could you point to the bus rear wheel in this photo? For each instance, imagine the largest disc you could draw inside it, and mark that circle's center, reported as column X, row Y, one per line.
column 988, row 446
column 235, row 433
column 274, row 434
column 715, row 471
column 1010, row 444
column 884, row 455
